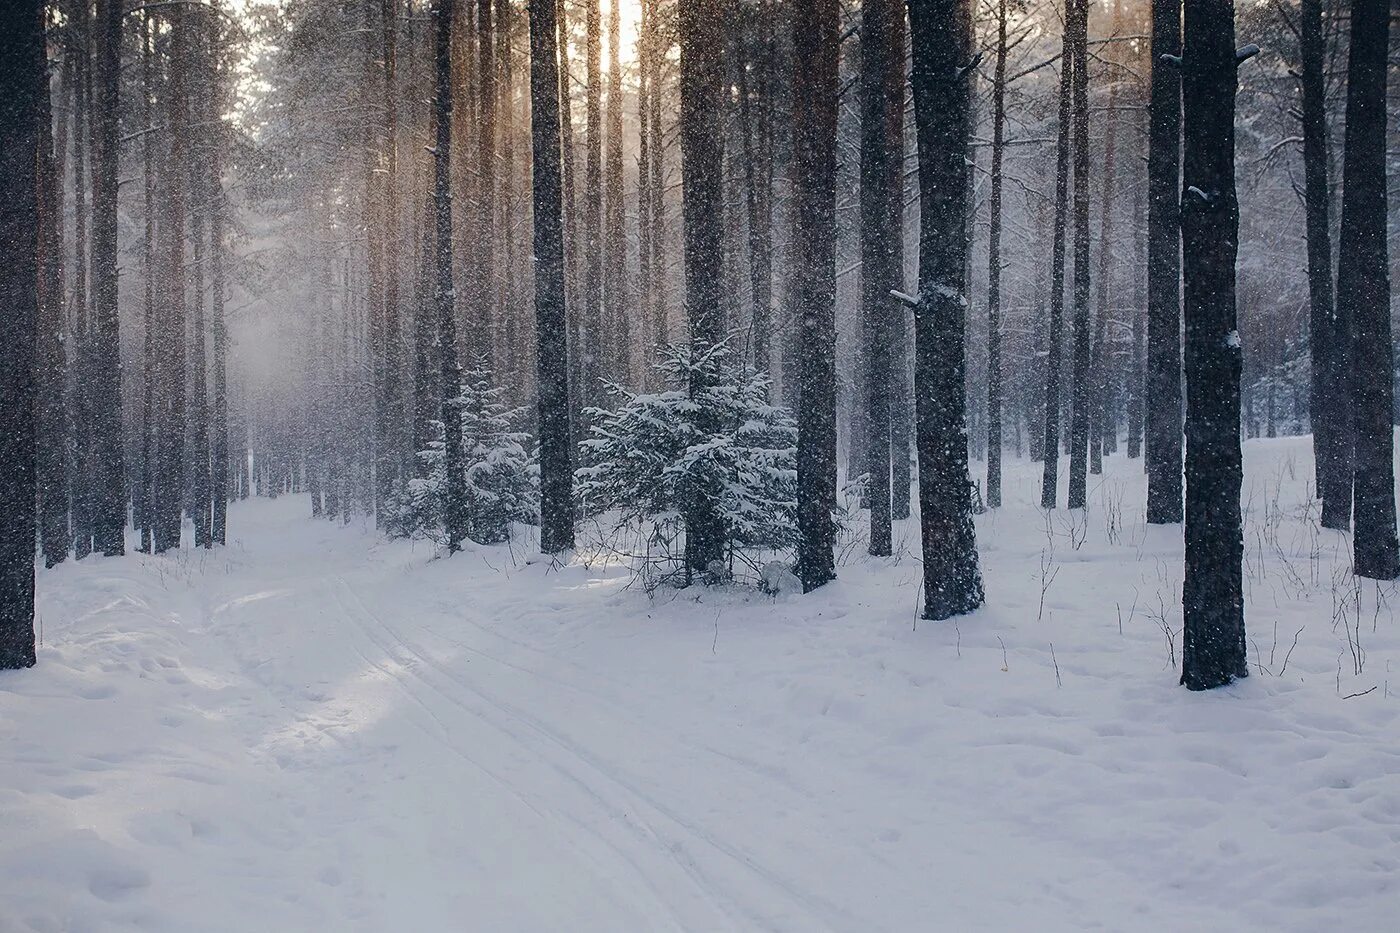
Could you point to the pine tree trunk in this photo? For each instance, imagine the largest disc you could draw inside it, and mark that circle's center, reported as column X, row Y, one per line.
column 389, row 442
column 1328, row 387
column 942, row 109
column 200, row 508
column 23, row 79
column 615, row 234
column 1049, row 487
column 881, row 211
column 571, row 238
column 1135, row 375
column 150, row 370
column 1363, row 292
column 658, row 50
column 218, row 425
column 1163, row 400
column 79, row 52
column 755, row 115
column 551, row 332
column 592, row 323
column 702, row 75
column 170, row 388
column 481, row 334
column 51, row 356
column 1078, row 26
column 1103, row 428
column 454, row 503
column 994, row 269
column 644, row 248
column 107, row 471
column 1213, row 645
column 816, row 46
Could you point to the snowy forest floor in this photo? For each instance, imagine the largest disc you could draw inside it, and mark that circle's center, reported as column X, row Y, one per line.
column 313, row 729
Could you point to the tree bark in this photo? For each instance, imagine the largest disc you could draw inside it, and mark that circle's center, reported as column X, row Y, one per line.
column 1363, row 292
column 1078, row 26
column 1328, row 387
column 942, row 109
column 1049, row 486
column 592, row 322
column 1213, row 644
column 22, row 79
column 51, row 448
column 816, row 47
column 615, row 234
column 994, row 269
column 702, row 74
column 1163, row 401
column 454, row 501
column 556, row 471
column 881, row 233
column 168, row 479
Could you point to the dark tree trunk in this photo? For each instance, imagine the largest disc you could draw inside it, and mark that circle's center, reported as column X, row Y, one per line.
column 1103, row 429
column 645, row 283
column 1363, row 292
column 881, row 210
column 1328, row 386
column 51, row 359
column 571, row 239
column 149, row 352
column 551, row 333
column 592, row 321
column 816, row 46
column 23, row 78
column 658, row 50
column 1135, row 374
column 170, row 323
column 106, row 467
column 702, row 151
column 425, row 349
column 1078, row 25
column 454, row 501
column 756, row 130
column 994, row 269
column 1163, row 401
column 1213, row 645
column 79, row 53
column 952, row 579
column 614, row 214
column 480, row 337
column 199, row 506
column 1049, row 486
column 392, row 390
column 218, row 424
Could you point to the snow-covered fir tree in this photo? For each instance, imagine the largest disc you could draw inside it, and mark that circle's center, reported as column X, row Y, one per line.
column 654, row 456
column 501, row 475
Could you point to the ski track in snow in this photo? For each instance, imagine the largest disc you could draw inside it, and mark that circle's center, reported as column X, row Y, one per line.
column 313, row 729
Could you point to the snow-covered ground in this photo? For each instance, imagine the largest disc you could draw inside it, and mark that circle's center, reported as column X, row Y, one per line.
column 316, row 730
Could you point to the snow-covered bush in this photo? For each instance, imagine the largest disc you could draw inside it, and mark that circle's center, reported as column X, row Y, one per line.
column 664, row 455
column 502, row 479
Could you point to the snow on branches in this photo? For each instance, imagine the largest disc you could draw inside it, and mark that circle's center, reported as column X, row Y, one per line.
column 501, row 477
column 711, row 440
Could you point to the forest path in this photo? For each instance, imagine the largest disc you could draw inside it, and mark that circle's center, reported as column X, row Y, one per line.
column 315, row 729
